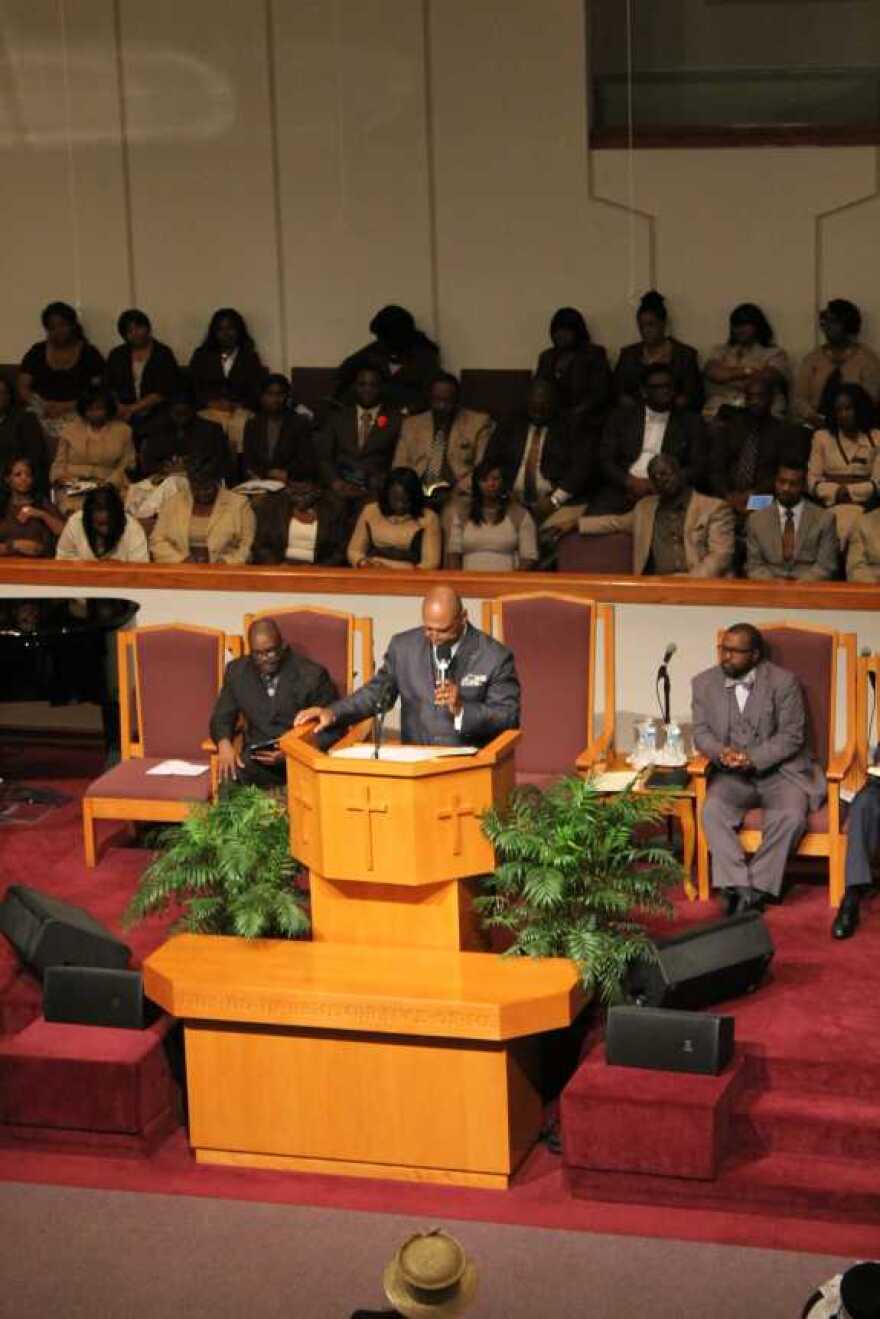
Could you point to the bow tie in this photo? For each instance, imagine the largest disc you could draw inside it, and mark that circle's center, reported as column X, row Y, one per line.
column 747, row 680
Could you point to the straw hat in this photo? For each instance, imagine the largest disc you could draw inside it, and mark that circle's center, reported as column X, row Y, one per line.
column 430, row 1275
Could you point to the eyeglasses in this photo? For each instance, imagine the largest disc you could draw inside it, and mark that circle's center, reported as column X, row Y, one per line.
column 272, row 653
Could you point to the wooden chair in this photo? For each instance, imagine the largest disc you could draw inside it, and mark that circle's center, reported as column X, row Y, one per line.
column 813, row 653
column 327, row 637
column 172, row 674
column 554, row 641
column 610, row 553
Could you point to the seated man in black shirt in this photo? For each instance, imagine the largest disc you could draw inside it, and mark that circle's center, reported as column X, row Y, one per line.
column 267, row 688
column 748, row 444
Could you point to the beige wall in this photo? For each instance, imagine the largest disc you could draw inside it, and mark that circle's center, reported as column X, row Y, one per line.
column 309, row 159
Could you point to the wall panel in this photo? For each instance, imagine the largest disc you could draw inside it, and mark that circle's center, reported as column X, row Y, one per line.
column 63, row 217
column 197, row 107
column 354, row 194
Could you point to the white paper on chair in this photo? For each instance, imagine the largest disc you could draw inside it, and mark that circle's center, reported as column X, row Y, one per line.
column 184, row 769
column 614, row 780
column 401, row 754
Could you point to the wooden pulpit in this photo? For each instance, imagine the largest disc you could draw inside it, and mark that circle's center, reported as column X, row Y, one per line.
column 394, row 850
column 384, row 1047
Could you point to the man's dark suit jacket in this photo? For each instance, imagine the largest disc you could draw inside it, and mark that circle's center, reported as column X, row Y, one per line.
column 161, row 373
column 685, row 438
column 301, row 683
column 338, row 445
column 295, row 451
column 483, row 669
column 200, row 439
column 243, row 385
column 567, row 458
column 775, row 439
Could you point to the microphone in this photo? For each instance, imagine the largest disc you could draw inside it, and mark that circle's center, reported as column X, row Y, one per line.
column 444, row 659
column 865, row 653
column 669, row 652
column 663, row 678
column 384, row 698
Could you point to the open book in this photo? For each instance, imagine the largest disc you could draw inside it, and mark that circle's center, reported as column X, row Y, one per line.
column 401, row 754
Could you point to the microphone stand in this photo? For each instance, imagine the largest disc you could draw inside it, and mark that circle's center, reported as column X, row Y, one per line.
column 666, row 776
column 663, row 677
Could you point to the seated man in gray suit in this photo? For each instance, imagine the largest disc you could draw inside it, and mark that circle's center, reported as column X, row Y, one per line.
column 469, row 703
column 792, row 538
column 675, row 530
column 749, row 720
column 862, row 845
column 267, row 688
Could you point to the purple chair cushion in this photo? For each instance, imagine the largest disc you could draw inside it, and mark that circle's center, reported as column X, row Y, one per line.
column 320, row 638
column 809, row 655
column 610, row 553
column 130, row 779
column 550, row 640
column 178, row 680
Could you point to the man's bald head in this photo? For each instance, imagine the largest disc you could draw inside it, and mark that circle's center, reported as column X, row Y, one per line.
column 267, row 630
column 266, row 645
column 443, row 615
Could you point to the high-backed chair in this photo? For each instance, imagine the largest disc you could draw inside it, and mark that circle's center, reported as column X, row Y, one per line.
column 554, row 641
column 313, row 386
column 327, row 637
column 172, row 674
column 814, row 654
column 500, row 392
column 610, row 553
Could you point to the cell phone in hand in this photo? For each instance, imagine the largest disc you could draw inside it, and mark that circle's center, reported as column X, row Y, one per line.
column 271, row 745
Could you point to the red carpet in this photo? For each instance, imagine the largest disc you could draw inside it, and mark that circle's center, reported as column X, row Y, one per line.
column 813, row 1027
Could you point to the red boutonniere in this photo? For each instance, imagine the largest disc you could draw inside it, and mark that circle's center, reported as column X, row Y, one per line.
column 381, row 421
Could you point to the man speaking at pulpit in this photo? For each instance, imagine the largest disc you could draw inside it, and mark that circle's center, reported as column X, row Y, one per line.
column 457, row 686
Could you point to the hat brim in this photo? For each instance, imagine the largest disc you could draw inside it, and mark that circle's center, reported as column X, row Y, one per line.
column 402, row 1298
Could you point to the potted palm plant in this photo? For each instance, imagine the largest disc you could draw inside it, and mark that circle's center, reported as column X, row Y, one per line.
column 576, row 868
column 228, row 865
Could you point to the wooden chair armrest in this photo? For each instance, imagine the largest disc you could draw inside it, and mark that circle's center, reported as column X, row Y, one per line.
column 209, row 745
column 839, row 765
column 600, row 749
column 698, row 768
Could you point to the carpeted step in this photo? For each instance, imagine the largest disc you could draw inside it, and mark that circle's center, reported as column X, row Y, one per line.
column 833, row 1125
column 784, row 1184
column 860, row 1064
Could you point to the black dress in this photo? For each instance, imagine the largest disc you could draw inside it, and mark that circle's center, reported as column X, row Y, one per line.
column 242, row 386
column 60, row 386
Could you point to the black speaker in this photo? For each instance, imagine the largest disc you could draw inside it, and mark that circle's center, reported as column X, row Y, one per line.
column 47, row 932
column 705, row 965
column 668, row 1041
column 96, row 996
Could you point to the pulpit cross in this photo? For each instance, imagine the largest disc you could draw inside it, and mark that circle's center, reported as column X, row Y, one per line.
column 368, row 809
column 456, row 813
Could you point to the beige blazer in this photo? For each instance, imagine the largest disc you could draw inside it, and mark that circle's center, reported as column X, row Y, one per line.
column 86, row 454
column 230, row 530
column 709, row 533
column 863, row 555
column 855, row 461
column 816, row 548
column 466, row 446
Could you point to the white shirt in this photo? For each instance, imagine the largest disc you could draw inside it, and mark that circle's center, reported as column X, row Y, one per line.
column 797, row 510
column 130, row 548
column 652, row 441
column 227, row 361
column 302, row 538
column 361, row 413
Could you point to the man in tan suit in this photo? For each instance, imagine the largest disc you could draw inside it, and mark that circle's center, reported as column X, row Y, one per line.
column 675, row 530
column 444, row 445
column 792, row 538
column 863, row 556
